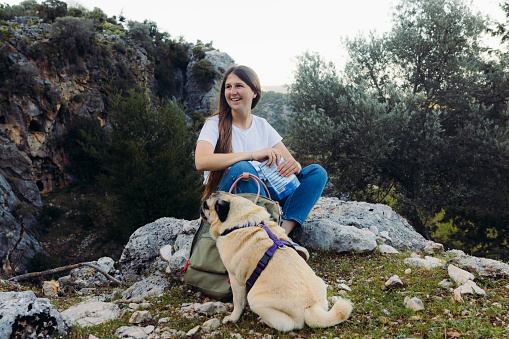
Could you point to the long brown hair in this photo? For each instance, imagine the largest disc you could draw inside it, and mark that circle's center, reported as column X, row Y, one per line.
column 224, row 143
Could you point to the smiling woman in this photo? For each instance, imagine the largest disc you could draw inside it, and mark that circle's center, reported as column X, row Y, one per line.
column 234, row 141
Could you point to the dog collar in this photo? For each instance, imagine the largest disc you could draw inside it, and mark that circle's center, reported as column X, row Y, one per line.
column 230, row 230
column 266, row 257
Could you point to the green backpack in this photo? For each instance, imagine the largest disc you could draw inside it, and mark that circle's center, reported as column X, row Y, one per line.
column 205, row 270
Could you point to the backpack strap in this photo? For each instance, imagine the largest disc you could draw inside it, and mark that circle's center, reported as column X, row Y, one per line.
column 246, row 176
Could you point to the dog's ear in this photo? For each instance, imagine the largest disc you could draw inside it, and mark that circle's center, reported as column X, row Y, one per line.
column 222, row 208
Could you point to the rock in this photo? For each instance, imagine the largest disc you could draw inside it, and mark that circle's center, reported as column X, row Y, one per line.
column 394, row 282
column 432, row 247
column 10, row 226
column 458, row 275
column 394, row 229
column 23, row 315
column 344, row 287
column 166, row 252
column 91, row 312
column 469, row 287
column 414, row 303
column 139, row 317
column 150, row 287
column 144, row 245
column 408, row 271
column 329, row 235
column 445, row 284
column 50, row 288
column 193, row 310
column 193, row 331
column 88, row 277
column 482, row 266
column 210, row 325
column 386, row 249
column 205, row 100
column 134, row 332
column 428, row 262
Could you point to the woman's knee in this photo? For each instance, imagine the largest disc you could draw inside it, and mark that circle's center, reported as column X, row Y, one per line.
column 316, row 171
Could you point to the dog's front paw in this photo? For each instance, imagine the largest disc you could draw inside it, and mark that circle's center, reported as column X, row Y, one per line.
column 230, row 319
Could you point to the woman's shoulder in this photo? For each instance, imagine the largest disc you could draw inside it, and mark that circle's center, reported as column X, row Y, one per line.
column 213, row 118
column 259, row 120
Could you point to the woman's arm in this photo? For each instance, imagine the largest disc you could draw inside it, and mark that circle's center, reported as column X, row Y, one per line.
column 206, row 160
column 290, row 165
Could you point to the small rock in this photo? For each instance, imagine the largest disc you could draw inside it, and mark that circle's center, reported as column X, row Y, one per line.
column 470, row 287
column 394, row 282
column 139, row 317
column 415, row 304
column 458, row 275
column 211, row 325
column 193, row 331
column 386, row 249
column 50, row 288
column 456, row 297
column 432, row 247
column 344, row 287
column 408, row 271
column 445, row 283
column 134, row 306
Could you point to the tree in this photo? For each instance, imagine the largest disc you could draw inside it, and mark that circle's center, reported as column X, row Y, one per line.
column 49, row 10
column 411, row 118
column 147, row 165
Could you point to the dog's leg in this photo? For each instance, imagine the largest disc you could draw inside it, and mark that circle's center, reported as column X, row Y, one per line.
column 239, row 300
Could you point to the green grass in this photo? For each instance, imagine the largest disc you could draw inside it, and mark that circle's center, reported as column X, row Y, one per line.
column 377, row 313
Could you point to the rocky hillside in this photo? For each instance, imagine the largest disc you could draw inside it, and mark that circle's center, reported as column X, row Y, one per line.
column 51, row 75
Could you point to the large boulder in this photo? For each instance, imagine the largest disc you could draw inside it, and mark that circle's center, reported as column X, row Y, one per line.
column 142, row 249
column 23, row 315
column 332, row 219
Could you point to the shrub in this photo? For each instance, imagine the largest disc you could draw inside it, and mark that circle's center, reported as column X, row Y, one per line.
column 198, row 52
column 73, row 35
column 204, row 73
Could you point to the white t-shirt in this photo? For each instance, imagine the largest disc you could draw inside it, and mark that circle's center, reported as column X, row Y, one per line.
column 258, row 136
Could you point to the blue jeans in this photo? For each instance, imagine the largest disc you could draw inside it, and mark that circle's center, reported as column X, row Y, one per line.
column 297, row 205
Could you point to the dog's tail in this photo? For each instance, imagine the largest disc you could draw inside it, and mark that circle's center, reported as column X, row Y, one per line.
column 316, row 316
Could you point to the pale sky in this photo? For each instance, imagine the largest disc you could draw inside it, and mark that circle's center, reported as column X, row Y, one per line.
column 265, row 35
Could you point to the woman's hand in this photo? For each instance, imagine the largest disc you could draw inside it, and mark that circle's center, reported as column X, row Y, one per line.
column 289, row 167
column 271, row 154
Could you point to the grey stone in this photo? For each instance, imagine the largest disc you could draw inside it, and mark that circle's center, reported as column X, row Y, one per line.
column 88, row 277
column 26, row 316
column 326, row 234
column 482, row 266
column 91, row 312
column 391, row 227
column 142, row 249
column 458, row 275
column 134, row 332
column 150, row 287
column 428, row 262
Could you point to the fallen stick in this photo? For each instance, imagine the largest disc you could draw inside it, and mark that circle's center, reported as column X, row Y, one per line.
column 64, row 268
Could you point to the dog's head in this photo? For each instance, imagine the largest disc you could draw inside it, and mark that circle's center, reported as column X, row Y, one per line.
column 224, row 211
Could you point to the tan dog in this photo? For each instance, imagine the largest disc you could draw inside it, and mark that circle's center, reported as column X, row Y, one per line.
column 287, row 294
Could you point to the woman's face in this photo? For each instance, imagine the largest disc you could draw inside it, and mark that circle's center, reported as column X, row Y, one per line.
column 238, row 94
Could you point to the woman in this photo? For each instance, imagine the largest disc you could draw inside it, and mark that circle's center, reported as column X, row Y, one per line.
column 234, row 141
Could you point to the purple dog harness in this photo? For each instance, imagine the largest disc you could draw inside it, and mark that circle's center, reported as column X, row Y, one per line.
column 266, row 257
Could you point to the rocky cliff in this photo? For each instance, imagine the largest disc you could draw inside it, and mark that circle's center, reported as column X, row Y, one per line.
column 44, row 89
